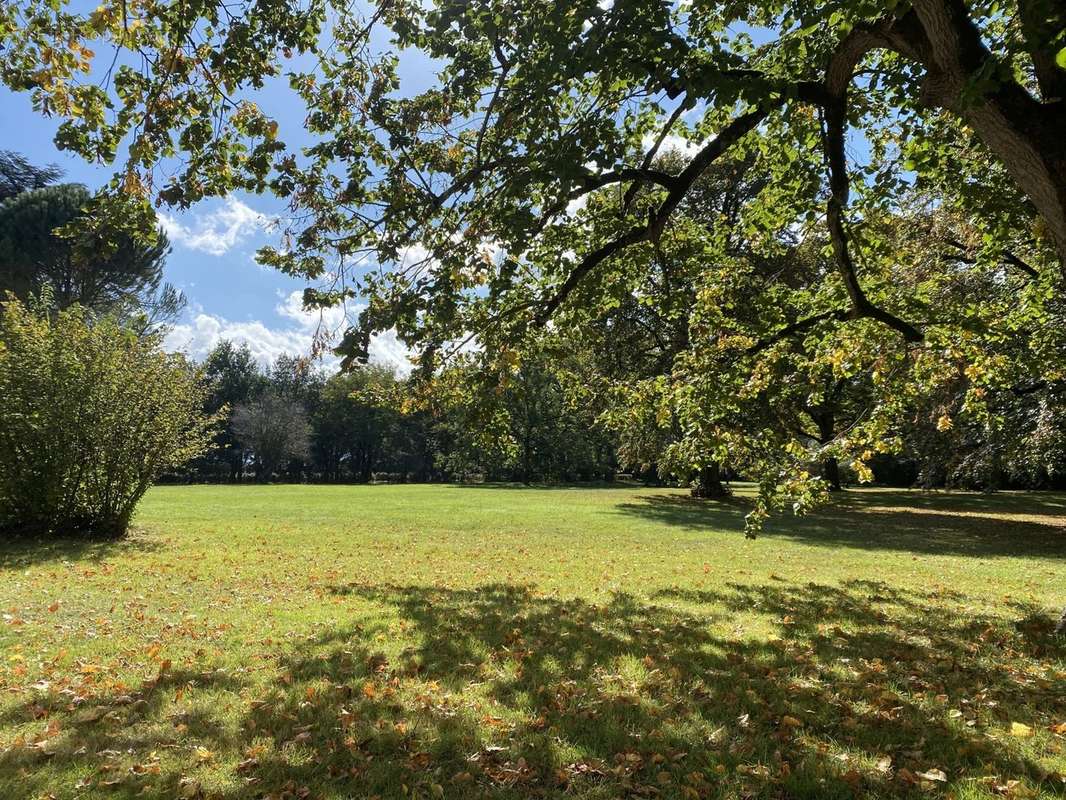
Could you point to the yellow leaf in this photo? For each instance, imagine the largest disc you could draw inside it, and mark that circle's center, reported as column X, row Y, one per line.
column 1020, row 730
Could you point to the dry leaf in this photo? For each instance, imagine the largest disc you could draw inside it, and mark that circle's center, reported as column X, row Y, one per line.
column 937, row 775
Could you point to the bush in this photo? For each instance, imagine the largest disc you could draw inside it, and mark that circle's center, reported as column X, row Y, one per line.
column 91, row 415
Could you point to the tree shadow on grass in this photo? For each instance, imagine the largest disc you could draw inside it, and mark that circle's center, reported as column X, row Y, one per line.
column 945, row 524
column 502, row 692
column 19, row 552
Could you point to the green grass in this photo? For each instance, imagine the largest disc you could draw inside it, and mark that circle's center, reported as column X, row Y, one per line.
column 496, row 642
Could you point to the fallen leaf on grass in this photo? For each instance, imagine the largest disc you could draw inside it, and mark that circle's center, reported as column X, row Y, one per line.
column 937, row 775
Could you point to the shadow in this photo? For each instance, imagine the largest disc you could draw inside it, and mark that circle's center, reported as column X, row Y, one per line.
column 944, row 523
column 20, row 552
column 507, row 693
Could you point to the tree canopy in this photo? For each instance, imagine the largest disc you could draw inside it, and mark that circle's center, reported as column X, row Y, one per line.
column 18, row 175
column 911, row 163
column 38, row 252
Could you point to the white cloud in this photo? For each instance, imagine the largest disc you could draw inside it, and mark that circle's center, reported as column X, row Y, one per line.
column 217, row 232
column 416, row 255
column 203, row 331
column 576, row 204
column 673, row 142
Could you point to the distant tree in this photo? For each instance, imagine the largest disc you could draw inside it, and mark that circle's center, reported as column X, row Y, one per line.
column 353, row 423
column 275, row 429
column 298, row 379
column 233, row 378
column 92, row 413
column 18, row 175
column 122, row 275
column 519, row 424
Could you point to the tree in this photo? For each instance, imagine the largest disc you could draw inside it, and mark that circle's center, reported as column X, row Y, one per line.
column 92, row 414
column 18, row 175
column 524, row 422
column 274, row 428
column 481, row 171
column 124, row 275
column 233, row 378
column 353, row 423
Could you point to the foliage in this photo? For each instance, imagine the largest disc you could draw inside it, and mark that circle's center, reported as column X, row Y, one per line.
column 92, row 269
column 18, row 175
column 233, row 378
column 274, row 429
column 92, row 414
column 522, row 423
column 471, row 189
column 447, row 641
column 353, row 425
column 368, row 424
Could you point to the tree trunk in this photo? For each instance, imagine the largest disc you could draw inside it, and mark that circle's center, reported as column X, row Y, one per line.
column 830, row 467
column 1061, row 627
column 1024, row 132
column 961, row 75
column 709, row 483
column 831, row 473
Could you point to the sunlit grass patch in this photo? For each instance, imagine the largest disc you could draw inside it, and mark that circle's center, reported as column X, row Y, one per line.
column 430, row 641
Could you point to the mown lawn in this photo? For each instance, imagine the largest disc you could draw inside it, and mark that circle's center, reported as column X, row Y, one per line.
column 496, row 642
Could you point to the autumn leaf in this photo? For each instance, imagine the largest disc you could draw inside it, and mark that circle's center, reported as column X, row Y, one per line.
column 1020, row 730
column 936, row 775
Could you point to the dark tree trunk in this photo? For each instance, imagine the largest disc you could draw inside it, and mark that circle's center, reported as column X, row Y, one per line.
column 709, row 483
column 830, row 467
column 1022, row 130
column 1025, row 133
column 831, row 473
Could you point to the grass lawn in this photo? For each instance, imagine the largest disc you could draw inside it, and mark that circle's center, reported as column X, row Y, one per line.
column 496, row 642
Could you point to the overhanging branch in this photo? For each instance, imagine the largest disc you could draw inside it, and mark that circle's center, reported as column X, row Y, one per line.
column 729, row 136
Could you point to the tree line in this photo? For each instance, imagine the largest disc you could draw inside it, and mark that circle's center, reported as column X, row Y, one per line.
column 295, row 422
column 625, row 384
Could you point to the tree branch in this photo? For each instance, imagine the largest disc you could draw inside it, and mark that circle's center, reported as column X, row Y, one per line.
column 838, row 79
column 649, row 157
column 729, row 136
column 796, row 327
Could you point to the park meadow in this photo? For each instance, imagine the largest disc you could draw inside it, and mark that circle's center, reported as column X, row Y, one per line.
column 502, row 641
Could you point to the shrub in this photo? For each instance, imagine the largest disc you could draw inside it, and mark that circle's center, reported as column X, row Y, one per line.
column 91, row 415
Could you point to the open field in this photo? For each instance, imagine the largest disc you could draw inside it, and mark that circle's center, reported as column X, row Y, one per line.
column 440, row 641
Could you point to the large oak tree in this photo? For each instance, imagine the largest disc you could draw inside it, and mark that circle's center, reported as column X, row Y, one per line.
column 455, row 209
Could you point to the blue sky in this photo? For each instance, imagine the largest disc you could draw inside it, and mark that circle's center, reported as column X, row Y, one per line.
column 212, row 259
column 213, row 244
